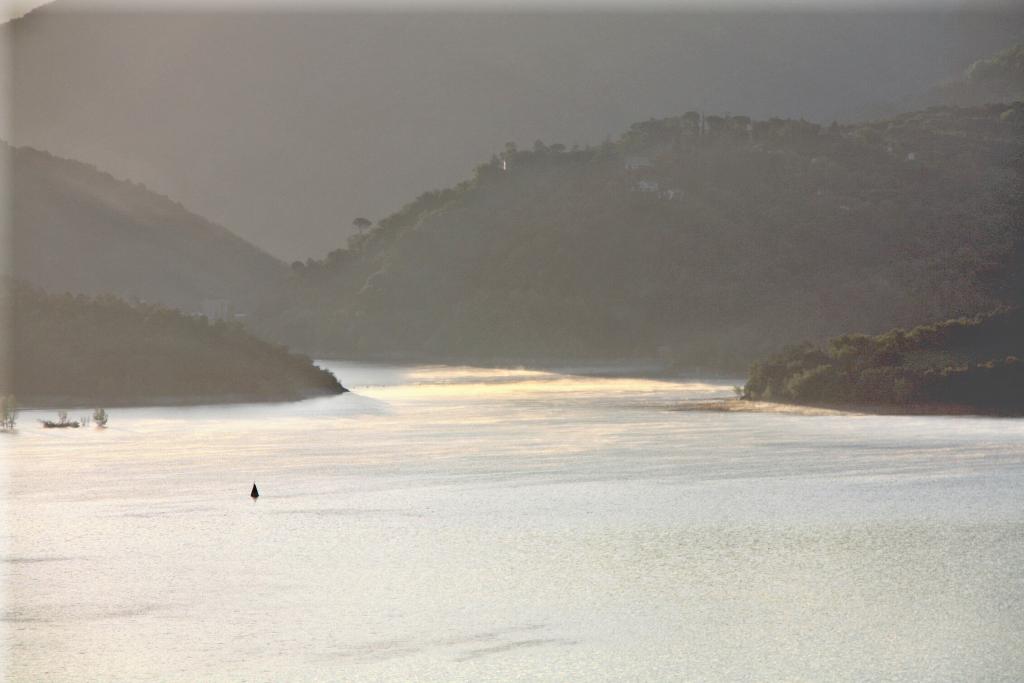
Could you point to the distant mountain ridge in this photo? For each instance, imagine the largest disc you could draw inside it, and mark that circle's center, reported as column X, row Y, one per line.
column 703, row 240
column 996, row 77
column 999, row 78
column 78, row 229
column 285, row 125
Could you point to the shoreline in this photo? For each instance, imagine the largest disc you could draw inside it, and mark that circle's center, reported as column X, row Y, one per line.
column 79, row 403
column 737, row 405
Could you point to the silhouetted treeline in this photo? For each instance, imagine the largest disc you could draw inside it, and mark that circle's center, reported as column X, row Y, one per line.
column 704, row 240
column 76, row 350
column 972, row 362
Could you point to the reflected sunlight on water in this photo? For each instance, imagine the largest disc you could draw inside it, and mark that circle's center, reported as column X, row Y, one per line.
column 480, row 524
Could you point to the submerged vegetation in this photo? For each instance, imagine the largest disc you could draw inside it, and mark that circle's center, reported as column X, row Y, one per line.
column 62, row 422
column 702, row 240
column 77, row 350
column 971, row 363
column 100, row 417
column 8, row 413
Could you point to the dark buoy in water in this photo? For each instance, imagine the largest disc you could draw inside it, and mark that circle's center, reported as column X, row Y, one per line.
column 255, row 493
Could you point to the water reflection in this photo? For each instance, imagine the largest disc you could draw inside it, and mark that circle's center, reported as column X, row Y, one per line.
column 480, row 524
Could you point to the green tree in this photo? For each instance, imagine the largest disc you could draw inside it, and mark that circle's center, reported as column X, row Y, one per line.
column 361, row 224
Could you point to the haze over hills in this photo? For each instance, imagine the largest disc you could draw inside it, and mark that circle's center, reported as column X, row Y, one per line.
column 81, row 351
column 78, row 229
column 287, row 126
column 970, row 364
column 707, row 241
column 999, row 78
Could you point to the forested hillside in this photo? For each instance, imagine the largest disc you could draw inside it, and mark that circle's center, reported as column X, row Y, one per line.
column 703, row 240
column 999, row 78
column 286, row 121
column 967, row 363
column 76, row 350
column 78, row 229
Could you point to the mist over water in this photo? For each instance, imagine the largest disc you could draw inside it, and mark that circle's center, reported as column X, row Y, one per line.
column 476, row 524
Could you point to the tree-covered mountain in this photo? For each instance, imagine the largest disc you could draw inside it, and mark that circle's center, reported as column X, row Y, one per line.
column 79, row 351
column 705, row 240
column 965, row 364
column 999, row 78
column 78, row 229
column 287, row 120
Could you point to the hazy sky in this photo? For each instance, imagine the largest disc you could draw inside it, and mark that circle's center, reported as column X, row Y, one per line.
column 284, row 126
column 15, row 8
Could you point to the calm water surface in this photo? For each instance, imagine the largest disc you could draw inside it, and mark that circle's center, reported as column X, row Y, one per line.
column 458, row 524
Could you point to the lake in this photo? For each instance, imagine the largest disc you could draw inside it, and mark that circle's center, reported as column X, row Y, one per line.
column 466, row 524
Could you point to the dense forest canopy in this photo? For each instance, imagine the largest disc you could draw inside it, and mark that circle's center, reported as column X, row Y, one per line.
column 76, row 350
column 974, row 363
column 706, row 240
